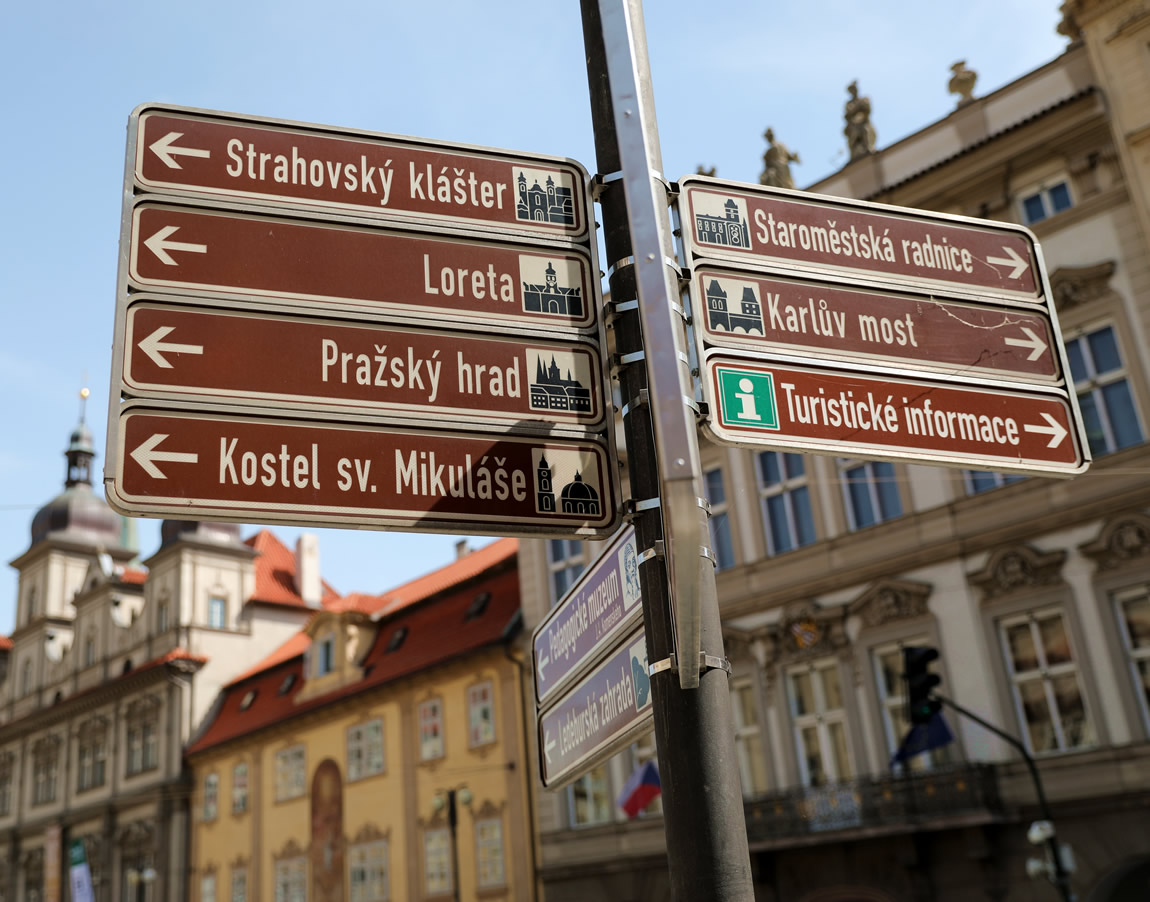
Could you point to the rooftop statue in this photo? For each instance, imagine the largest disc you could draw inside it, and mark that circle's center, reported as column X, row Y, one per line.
column 962, row 82
column 777, row 163
column 859, row 132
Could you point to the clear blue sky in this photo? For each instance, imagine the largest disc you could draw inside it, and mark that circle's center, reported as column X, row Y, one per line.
column 507, row 73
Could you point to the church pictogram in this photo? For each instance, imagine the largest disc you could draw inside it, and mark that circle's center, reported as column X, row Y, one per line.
column 551, row 297
column 548, row 203
column 747, row 318
column 577, row 498
column 551, row 390
column 728, row 229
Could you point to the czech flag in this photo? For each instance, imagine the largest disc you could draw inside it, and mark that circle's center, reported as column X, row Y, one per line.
column 640, row 789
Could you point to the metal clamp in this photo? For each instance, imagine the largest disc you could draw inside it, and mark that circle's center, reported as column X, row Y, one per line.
column 631, row 506
column 706, row 662
column 659, row 550
column 620, row 264
column 706, row 552
column 642, row 401
column 622, row 360
column 600, row 181
column 614, row 308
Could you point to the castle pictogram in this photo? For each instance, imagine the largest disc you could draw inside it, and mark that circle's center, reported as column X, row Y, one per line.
column 748, row 318
column 552, row 297
column 553, row 204
column 550, row 391
column 729, row 230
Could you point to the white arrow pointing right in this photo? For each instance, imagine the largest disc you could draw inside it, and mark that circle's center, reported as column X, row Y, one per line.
column 146, row 456
column 1055, row 430
column 164, row 149
column 154, row 344
column 548, row 744
column 159, row 245
column 1011, row 259
column 1033, row 341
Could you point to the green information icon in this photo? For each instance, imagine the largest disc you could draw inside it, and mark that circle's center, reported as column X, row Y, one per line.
column 747, row 398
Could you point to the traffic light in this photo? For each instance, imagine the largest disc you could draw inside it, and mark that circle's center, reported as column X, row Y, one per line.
column 920, row 682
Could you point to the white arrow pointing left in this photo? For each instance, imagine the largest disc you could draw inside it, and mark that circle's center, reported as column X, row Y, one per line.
column 1055, row 430
column 543, row 662
column 146, row 456
column 154, row 345
column 159, row 245
column 1011, row 259
column 166, row 151
column 548, row 744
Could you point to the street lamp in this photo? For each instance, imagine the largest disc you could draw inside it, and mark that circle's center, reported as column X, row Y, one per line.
column 140, row 881
column 447, row 799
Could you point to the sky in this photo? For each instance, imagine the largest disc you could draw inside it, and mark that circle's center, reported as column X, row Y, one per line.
column 507, row 73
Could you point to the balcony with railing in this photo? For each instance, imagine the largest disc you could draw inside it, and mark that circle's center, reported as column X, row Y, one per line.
column 962, row 795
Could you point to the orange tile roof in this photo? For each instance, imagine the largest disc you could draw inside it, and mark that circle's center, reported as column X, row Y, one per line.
column 5, row 643
column 275, row 573
column 138, row 577
column 467, row 567
column 437, row 631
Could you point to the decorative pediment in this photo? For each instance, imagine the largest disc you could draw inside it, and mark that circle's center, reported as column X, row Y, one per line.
column 93, row 728
column 488, row 809
column 290, row 849
column 1018, row 569
column 890, row 600
column 240, row 861
column 33, row 862
column 369, row 832
column 137, row 835
column 1124, row 539
column 144, row 708
column 46, row 747
column 808, row 631
column 1074, row 286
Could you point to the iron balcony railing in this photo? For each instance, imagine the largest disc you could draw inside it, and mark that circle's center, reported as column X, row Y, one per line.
column 967, row 793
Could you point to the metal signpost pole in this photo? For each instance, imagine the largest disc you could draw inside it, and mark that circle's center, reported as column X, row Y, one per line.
column 702, row 801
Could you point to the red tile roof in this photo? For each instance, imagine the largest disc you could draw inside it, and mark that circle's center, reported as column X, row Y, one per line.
column 5, row 643
column 275, row 573
column 294, row 647
column 139, row 577
column 467, row 567
column 437, row 631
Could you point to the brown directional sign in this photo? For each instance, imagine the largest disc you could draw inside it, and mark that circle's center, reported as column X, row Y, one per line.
column 791, row 407
column 299, row 165
column 770, row 313
column 790, row 229
column 603, row 604
column 216, row 466
column 228, row 356
column 604, row 711
column 412, row 275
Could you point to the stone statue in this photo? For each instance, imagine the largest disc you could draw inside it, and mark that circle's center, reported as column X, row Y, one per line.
column 705, row 170
column 962, row 82
column 777, row 163
column 859, row 132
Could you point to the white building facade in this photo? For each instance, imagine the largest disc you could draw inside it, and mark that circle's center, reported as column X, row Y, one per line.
column 1035, row 591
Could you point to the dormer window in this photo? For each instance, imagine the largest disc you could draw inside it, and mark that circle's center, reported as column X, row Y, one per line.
column 396, row 639
column 325, row 656
column 478, row 606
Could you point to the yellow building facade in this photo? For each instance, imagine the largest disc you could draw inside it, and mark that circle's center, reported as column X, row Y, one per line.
column 378, row 755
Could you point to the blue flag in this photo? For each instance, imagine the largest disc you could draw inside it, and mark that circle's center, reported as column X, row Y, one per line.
column 922, row 737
